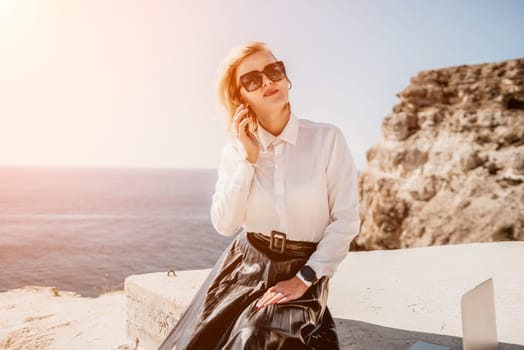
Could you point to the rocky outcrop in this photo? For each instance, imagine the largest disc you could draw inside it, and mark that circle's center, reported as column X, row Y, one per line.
column 450, row 165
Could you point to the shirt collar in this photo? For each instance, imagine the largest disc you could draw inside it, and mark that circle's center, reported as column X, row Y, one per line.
column 289, row 134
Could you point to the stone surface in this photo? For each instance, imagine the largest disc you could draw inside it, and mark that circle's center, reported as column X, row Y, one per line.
column 156, row 301
column 38, row 318
column 450, row 165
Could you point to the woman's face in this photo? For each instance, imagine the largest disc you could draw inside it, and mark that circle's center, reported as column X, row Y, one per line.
column 259, row 99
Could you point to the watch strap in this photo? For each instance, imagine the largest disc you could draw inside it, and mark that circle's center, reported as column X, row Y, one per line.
column 307, row 283
column 309, row 274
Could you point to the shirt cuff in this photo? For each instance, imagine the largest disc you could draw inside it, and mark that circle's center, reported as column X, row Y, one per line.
column 321, row 268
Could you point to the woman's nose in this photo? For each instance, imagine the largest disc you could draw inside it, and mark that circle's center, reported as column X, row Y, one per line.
column 266, row 80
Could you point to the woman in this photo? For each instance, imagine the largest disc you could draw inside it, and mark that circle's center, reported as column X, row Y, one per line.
column 292, row 184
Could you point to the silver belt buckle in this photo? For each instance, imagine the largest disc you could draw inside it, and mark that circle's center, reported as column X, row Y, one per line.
column 275, row 235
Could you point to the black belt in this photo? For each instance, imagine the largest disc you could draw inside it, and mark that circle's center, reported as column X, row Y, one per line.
column 278, row 246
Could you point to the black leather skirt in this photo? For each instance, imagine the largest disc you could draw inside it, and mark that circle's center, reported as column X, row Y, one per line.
column 223, row 313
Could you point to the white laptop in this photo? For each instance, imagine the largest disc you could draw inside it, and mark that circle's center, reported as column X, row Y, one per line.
column 479, row 327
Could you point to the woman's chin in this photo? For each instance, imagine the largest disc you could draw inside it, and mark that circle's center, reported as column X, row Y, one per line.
column 273, row 105
column 277, row 103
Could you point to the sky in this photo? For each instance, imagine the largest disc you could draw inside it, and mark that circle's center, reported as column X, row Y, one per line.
column 127, row 83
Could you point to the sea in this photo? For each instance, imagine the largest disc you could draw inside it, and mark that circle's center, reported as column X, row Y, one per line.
column 86, row 229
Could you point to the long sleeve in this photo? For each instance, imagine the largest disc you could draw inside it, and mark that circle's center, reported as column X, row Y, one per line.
column 343, row 197
column 229, row 202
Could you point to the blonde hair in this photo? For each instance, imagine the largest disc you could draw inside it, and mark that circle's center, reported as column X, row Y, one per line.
column 227, row 88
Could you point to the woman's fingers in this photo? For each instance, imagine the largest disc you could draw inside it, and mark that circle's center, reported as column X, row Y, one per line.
column 267, row 295
column 275, row 294
column 242, row 126
column 239, row 128
column 291, row 289
column 264, row 298
column 276, row 297
column 241, row 112
column 270, row 298
column 283, row 300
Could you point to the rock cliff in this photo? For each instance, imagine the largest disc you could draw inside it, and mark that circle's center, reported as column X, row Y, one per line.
column 449, row 167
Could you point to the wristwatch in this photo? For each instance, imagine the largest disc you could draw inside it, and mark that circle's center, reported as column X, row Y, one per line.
column 307, row 275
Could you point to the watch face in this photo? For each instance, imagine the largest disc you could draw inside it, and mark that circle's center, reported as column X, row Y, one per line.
column 308, row 273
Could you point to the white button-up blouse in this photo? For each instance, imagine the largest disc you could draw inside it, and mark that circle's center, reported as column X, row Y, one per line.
column 304, row 183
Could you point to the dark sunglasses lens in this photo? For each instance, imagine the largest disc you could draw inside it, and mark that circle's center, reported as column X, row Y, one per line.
column 251, row 81
column 275, row 71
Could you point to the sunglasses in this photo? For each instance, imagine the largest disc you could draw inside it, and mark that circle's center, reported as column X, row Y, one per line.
column 253, row 80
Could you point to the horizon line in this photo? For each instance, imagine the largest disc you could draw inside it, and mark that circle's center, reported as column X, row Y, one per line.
column 108, row 167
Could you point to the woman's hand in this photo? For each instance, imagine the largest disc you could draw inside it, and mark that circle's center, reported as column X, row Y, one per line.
column 241, row 129
column 283, row 291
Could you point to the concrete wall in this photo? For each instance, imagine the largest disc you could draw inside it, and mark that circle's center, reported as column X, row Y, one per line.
column 383, row 299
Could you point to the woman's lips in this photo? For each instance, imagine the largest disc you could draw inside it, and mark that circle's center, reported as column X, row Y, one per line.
column 271, row 92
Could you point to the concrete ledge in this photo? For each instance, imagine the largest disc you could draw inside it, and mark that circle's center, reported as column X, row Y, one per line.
column 381, row 299
column 419, row 289
column 155, row 303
